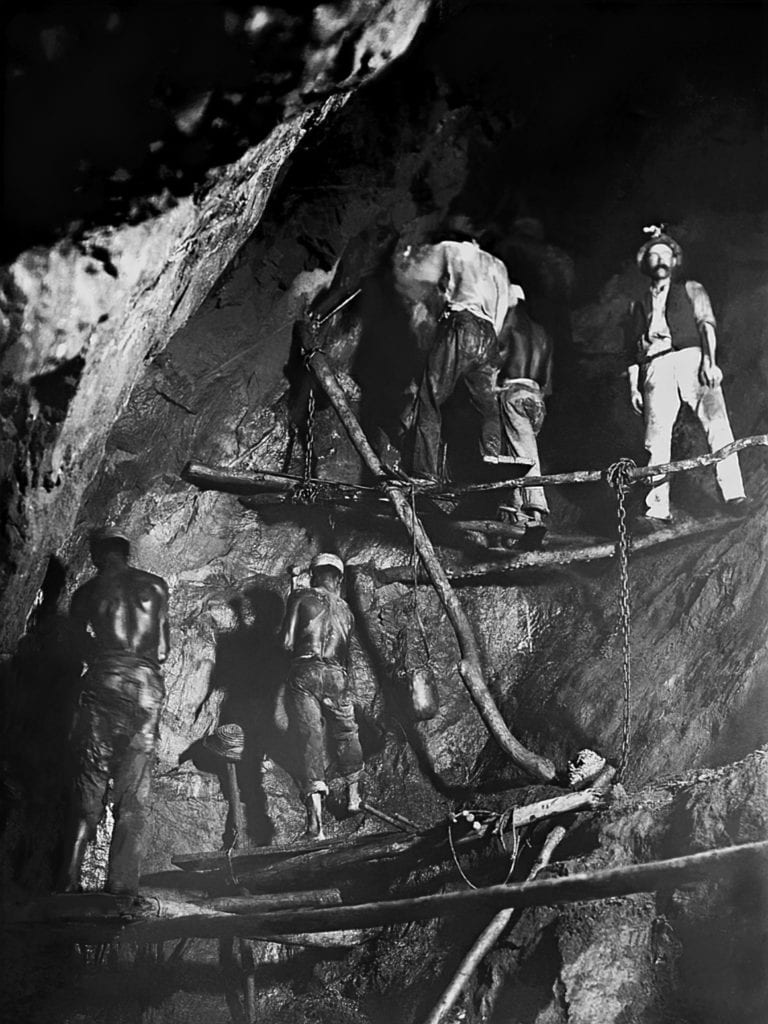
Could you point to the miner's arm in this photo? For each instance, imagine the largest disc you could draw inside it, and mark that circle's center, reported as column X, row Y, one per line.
column 710, row 373
column 290, row 623
column 79, row 618
column 164, row 644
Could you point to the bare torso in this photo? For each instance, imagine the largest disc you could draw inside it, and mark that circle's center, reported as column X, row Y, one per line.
column 125, row 611
column 527, row 351
column 318, row 624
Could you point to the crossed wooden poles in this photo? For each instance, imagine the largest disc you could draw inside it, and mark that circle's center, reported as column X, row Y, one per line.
column 398, row 493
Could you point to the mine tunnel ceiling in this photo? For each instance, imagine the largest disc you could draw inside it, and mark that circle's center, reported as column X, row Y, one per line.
column 118, row 110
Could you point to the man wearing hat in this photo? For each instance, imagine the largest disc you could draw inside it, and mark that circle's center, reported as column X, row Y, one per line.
column 673, row 327
column 316, row 632
column 121, row 619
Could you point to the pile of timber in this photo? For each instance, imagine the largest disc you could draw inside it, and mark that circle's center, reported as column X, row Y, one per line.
column 747, row 860
column 289, row 910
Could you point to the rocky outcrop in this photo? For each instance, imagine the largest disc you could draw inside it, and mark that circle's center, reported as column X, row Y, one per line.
column 95, row 310
column 131, row 349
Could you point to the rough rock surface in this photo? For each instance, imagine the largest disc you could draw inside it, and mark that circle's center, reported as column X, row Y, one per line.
column 140, row 347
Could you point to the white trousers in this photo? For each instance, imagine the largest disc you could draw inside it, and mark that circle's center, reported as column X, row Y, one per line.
column 669, row 381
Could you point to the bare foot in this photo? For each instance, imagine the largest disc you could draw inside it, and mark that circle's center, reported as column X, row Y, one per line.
column 353, row 798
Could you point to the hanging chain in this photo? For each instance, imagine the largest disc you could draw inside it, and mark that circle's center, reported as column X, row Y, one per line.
column 619, row 479
column 306, row 492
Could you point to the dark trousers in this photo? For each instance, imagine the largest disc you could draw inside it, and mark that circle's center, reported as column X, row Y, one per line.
column 317, row 693
column 465, row 348
column 118, row 730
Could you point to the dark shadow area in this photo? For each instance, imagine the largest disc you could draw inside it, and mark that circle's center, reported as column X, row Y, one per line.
column 113, row 113
column 40, row 689
column 250, row 669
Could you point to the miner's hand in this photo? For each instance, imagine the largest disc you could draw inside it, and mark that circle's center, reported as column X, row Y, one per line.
column 710, row 374
column 636, row 398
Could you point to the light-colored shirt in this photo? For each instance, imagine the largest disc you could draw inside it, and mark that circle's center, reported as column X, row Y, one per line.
column 468, row 278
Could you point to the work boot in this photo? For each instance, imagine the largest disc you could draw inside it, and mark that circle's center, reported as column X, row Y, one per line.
column 737, row 508
column 645, row 525
column 535, row 529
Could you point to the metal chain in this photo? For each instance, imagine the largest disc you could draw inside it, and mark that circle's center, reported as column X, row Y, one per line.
column 306, row 492
column 619, row 479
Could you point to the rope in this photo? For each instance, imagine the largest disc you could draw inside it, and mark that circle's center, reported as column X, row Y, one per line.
column 471, row 817
column 619, row 478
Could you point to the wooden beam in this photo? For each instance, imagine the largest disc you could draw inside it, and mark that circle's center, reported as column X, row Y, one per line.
column 493, row 932
column 745, row 861
column 591, row 476
column 287, row 868
column 236, row 481
column 489, row 936
column 469, row 666
column 527, row 560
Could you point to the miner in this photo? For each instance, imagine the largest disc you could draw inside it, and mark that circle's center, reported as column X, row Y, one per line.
column 474, row 291
column 316, row 632
column 524, row 381
column 120, row 617
column 673, row 329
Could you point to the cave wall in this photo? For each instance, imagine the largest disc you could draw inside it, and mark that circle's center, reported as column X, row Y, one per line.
column 96, row 306
column 175, row 374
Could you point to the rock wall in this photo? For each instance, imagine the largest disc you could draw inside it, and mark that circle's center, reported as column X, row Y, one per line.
column 143, row 346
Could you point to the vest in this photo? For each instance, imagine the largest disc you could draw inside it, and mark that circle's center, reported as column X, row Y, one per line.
column 679, row 315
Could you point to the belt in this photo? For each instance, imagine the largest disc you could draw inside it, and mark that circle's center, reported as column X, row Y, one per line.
column 656, row 355
column 106, row 661
column 328, row 662
column 523, row 381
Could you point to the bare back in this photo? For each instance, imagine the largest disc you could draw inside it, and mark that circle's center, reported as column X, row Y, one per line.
column 125, row 610
column 528, row 351
column 318, row 624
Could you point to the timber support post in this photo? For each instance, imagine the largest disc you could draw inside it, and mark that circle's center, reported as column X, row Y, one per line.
column 469, row 667
column 490, row 935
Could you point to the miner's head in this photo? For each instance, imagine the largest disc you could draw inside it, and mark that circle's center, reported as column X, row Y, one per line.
column 659, row 256
column 326, row 571
column 109, row 546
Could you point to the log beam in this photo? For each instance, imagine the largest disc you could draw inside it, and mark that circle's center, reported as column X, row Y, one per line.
column 552, row 559
column 469, row 666
column 489, row 936
column 748, row 859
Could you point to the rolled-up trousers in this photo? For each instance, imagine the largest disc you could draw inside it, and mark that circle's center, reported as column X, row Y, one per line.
column 318, row 693
column 465, row 348
column 668, row 381
column 522, row 414
column 118, row 730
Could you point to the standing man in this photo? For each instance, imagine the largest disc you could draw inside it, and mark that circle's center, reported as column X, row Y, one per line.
column 673, row 327
column 316, row 632
column 524, row 381
column 121, row 618
column 475, row 296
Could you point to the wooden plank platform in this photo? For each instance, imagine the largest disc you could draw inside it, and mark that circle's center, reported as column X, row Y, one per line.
column 255, row 856
column 745, row 861
column 558, row 552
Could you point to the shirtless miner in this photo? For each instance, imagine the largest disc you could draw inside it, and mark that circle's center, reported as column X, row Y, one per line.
column 121, row 619
column 316, row 632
